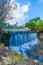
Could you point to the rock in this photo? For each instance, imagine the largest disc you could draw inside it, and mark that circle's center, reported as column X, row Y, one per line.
column 28, row 62
column 5, row 56
column 6, row 60
column 10, row 57
column 41, row 35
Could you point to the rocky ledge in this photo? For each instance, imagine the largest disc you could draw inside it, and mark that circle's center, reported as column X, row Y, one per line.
column 10, row 57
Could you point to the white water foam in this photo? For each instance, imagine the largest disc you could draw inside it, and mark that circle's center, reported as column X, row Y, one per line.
column 27, row 46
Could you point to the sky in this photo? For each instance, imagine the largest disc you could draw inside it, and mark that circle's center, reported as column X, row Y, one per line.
column 26, row 10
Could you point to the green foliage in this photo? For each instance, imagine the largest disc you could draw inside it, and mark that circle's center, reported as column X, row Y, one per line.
column 18, row 57
column 30, row 24
column 36, row 24
column 5, row 25
column 39, row 26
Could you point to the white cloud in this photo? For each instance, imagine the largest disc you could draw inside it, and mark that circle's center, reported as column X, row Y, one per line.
column 25, row 8
column 18, row 14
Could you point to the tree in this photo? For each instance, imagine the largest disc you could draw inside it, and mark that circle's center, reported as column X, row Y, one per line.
column 36, row 24
column 5, row 7
column 31, row 24
column 39, row 26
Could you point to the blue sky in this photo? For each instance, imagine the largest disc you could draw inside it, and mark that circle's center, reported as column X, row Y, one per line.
column 35, row 9
column 28, row 9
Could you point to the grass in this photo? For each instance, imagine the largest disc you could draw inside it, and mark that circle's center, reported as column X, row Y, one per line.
column 18, row 57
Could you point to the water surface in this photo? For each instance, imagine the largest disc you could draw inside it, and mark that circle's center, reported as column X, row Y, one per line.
column 26, row 43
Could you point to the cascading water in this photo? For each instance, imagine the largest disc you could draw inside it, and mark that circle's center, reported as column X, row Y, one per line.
column 26, row 43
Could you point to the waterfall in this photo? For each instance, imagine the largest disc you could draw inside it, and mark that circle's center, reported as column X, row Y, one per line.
column 26, row 43
column 22, row 40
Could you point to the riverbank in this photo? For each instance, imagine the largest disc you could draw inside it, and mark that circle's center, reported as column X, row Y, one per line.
column 41, row 35
column 10, row 57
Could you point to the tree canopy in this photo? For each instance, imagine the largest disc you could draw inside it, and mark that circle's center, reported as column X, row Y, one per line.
column 36, row 24
column 5, row 8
